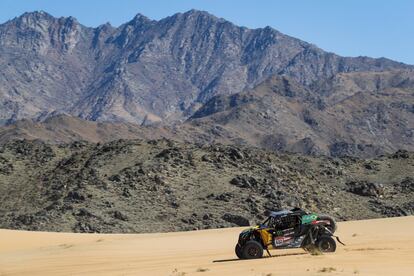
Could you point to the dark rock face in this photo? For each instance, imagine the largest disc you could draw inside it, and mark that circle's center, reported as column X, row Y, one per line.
column 5, row 167
column 342, row 116
column 146, row 71
column 236, row 219
column 406, row 209
column 120, row 216
column 75, row 196
column 352, row 149
column 244, row 181
column 401, row 154
column 407, row 184
column 365, row 188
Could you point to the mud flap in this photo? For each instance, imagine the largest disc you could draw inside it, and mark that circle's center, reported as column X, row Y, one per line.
column 268, row 252
column 337, row 238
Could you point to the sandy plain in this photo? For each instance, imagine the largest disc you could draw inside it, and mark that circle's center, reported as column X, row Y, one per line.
column 373, row 247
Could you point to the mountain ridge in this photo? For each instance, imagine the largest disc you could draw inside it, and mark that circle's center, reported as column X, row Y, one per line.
column 341, row 117
column 148, row 70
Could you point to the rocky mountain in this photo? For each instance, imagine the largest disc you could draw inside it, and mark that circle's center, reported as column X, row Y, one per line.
column 214, row 105
column 148, row 71
column 361, row 114
column 358, row 113
column 63, row 128
column 161, row 185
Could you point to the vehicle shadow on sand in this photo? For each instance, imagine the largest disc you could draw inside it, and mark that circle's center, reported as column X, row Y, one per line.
column 264, row 257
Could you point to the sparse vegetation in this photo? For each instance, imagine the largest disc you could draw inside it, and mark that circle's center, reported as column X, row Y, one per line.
column 327, row 269
column 66, row 246
column 87, row 187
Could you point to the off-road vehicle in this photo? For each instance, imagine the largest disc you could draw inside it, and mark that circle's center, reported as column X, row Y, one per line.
column 283, row 229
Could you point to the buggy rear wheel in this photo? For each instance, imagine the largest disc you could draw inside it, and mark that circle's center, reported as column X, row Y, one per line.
column 238, row 251
column 326, row 244
column 332, row 224
column 252, row 250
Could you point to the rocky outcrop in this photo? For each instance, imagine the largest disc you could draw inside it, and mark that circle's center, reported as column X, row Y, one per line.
column 161, row 185
column 236, row 219
column 365, row 188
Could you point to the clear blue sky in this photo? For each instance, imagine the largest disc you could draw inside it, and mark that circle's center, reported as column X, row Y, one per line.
column 377, row 28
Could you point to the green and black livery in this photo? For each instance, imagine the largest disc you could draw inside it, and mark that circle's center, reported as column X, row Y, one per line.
column 284, row 229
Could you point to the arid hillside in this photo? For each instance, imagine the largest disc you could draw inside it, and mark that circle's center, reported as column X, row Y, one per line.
column 130, row 186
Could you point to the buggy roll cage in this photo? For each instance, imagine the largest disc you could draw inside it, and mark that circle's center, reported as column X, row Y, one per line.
column 276, row 215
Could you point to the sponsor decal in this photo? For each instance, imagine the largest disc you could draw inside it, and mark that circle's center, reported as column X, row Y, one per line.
column 309, row 218
column 282, row 240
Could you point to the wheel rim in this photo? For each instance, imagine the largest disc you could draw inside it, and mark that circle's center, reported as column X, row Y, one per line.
column 325, row 246
column 253, row 251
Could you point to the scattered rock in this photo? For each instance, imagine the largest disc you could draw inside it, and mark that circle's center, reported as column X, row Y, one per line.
column 205, row 158
column 116, row 178
column 407, row 185
column 364, row 188
column 236, row 219
column 390, row 211
column 244, row 181
column 226, row 197
column 401, row 154
column 120, row 216
column 207, row 216
column 126, row 193
column 171, row 153
column 125, row 186
column 84, row 227
column 6, row 167
column 84, row 213
column 235, row 154
column 371, row 166
column 309, row 119
column 75, row 196
column 25, row 219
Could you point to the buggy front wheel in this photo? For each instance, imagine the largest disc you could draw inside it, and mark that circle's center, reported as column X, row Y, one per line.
column 326, row 244
column 252, row 250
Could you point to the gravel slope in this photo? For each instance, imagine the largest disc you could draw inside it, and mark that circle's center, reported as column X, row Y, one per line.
column 132, row 186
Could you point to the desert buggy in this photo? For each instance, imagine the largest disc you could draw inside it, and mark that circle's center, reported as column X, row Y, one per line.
column 284, row 229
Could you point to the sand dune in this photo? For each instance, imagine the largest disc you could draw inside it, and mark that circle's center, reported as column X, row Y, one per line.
column 373, row 247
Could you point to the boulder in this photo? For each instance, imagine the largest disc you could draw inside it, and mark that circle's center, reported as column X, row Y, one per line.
column 75, row 196
column 235, row 154
column 224, row 197
column 120, row 216
column 407, row 185
column 401, row 154
column 236, row 219
column 365, row 188
column 244, row 181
